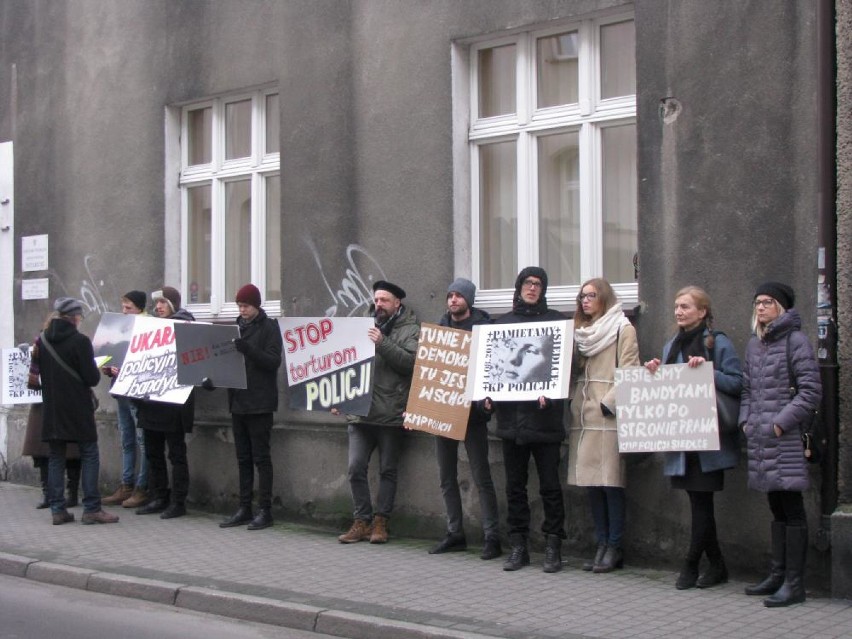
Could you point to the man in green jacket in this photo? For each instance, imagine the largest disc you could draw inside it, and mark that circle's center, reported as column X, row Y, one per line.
column 395, row 336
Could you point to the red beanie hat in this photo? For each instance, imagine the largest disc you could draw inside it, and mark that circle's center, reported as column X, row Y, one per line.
column 249, row 294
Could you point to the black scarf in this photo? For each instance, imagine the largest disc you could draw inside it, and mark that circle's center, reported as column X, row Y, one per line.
column 688, row 344
column 387, row 326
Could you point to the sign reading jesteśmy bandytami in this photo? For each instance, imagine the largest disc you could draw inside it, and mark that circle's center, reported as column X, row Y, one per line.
column 329, row 362
column 437, row 402
column 673, row 409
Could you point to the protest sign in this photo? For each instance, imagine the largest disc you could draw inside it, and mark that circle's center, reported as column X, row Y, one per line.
column 520, row 362
column 437, row 402
column 16, row 368
column 149, row 369
column 112, row 337
column 207, row 350
column 673, row 409
column 329, row 362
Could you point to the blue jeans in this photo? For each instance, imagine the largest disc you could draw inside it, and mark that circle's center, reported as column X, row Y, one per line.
column 363, row 440
column 132, row 445
column 609, row 505
column 90, row 465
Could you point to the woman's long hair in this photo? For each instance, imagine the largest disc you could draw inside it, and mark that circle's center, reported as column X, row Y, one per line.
column 605, row 294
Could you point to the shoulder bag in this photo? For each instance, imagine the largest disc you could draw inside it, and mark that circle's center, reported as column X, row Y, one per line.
column 47, row 345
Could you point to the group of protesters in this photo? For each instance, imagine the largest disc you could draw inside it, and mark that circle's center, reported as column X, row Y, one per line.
column 777, row 387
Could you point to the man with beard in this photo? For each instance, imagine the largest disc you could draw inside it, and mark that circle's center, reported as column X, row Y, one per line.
column 395, row 336
column 532, row 429
column 463, row 315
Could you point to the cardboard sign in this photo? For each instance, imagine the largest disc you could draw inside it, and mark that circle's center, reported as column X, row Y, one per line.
column 149, row 370
column 207, row 350
column 671, row 410
column 113, row 337
column 16, row 368
column 520, row 362
column 329, row 362
column 437, row 402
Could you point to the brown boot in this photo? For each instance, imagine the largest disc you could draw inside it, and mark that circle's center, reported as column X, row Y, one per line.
column 122, row 492
column 62, row 517
column 99, row 517
column 360, row 531
column 138, row 498
column 380, row 530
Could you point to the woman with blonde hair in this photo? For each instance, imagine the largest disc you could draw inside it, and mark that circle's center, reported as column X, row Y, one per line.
column 701, row 474
column 604, row 339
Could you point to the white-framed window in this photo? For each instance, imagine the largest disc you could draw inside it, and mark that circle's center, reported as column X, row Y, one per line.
column 551, row 138
column 230, row 201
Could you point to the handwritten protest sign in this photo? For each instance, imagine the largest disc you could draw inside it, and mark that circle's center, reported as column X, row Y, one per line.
column 329, row 362
column 16, row 367
column 150, row 365
column 207, row 350
column 520, row 362
column 671, row 410
column 437, row 402
column 113, row 337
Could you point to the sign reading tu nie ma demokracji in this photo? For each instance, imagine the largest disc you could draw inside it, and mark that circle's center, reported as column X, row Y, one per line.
column 329, row 363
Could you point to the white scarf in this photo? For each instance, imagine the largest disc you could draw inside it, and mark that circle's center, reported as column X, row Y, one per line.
column 592, row 339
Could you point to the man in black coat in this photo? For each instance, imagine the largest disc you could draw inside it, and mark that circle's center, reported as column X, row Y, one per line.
column 251, row 408
column 68, row 372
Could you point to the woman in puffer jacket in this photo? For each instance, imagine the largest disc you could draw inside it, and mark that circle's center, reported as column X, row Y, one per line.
column 781, row 389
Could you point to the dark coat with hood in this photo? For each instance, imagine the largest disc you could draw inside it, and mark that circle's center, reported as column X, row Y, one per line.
column 68, row 412
column 778, row 463
column 526, row 422
column 262, row 344
column 163, row 416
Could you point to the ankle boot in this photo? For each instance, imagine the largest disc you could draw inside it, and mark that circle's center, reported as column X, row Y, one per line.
column 239, row 518
column 599, row 553
column 73, row 485
column 716, row 573
column 262, row 520
column 553, row 554
column 519, row 555
column 380, row 530
column 777, row 563
column 42, row 471
column 121, row 493
column 792, row 591
column 613, row 558
column 688, row 576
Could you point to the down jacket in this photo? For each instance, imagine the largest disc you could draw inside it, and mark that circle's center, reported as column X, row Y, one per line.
column 778, row 463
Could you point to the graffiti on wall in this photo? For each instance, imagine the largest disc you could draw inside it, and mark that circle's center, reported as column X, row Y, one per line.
column 93, row 292
column 354, row 293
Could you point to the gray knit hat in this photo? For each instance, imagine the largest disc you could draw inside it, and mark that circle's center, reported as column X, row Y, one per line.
column 68, row 306
column 465, row 288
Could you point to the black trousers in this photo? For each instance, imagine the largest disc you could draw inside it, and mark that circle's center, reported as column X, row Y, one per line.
column 252, row 434
column 516, row 459
column 788, row 506
column 158, row 474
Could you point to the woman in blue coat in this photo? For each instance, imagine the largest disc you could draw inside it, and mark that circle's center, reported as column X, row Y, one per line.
column 781, row 390
column 701, row 474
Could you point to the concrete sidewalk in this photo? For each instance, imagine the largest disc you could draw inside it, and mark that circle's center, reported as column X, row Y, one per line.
column 291, row 576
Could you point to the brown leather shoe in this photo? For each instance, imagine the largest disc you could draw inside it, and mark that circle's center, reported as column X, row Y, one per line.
column 359, row 531
column 122, row 492
column 380, row 530
column 62, row 518
column 139, row 498
column 99, row 517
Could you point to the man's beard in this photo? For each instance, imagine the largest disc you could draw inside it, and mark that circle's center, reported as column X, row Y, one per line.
column 381, row 315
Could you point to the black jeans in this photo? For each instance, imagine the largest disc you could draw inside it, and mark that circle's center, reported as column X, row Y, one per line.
column 516, row 459
column 158, row 474
column 252, row 434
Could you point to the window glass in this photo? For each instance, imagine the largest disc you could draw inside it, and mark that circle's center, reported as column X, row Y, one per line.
column 237, row 129
column 556, row 64
column 273, row 124
column 200, row 134
column 237, row 236
column 559, row 207
column 200, row 233
column 273, row 237
column 498, row 218
column 618, row 65
column 620, row 233
column 497, row 81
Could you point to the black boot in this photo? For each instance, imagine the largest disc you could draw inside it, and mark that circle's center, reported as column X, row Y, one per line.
column 613, row 558
column 157, row 505
column 263, row 519
column 792, row 591
column 777, row 563
column 717, row 572
column 72, row 470
column 688, row 576
column 239, row 518
column 42, row 471
column 519, row 555
column 553, row 554
column 599, row 553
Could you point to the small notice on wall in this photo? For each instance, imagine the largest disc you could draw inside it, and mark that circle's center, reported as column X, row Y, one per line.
column 38, row 289
column 34, row 253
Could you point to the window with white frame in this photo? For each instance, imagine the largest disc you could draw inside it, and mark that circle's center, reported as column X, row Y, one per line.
column 230, row 185
column 552, row 141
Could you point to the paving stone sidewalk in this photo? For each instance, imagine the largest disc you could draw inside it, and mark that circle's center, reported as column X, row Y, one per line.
column 300, row 577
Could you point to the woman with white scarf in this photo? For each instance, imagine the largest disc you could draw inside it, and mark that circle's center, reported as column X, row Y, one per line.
column 604, row 339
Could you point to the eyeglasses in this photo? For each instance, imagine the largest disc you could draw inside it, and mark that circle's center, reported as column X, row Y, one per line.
column 587, row 296
column 764, row 303
column 532, row 284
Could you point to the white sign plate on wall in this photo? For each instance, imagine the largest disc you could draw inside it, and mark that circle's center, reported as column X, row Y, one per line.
column 35, row 289
column 34, row 253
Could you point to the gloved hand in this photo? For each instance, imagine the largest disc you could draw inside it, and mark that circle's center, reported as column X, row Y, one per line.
column 207, row 384
column 241, row 345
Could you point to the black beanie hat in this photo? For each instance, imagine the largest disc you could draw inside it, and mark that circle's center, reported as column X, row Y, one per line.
column 781, row 293
column 138, row 298
column 393, row 289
